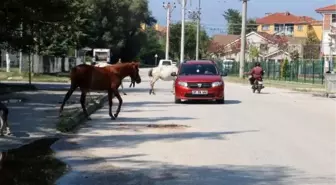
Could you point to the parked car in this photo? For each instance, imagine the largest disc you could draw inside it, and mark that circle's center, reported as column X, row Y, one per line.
column 199, row 80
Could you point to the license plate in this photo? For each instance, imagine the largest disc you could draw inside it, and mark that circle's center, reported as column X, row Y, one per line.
column 260, row 83
column 199, row 92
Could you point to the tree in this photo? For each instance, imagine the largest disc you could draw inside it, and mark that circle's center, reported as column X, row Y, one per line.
column 216, row 48
column 234, row 19
column 295, row 55
column 254, row 52
column 311, row 49
column 151, row 47
column 115, row 24
column 190, row 41
column 23, row 22
column 51, row 27
column 285, row 69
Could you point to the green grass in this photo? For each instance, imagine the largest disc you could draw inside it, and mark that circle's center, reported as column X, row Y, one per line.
column 15, row 75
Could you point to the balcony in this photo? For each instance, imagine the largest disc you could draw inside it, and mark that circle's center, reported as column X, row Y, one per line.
column 332, row 32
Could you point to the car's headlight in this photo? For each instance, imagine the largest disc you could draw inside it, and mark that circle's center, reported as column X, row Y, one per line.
column 216, row 84
column 184, row 84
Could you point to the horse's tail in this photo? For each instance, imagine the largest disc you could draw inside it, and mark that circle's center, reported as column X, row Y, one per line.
column 150, row 73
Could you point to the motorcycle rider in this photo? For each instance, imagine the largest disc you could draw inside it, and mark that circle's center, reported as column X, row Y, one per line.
column 256, row 73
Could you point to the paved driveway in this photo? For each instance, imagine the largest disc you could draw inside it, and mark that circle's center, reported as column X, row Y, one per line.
column 277, row 137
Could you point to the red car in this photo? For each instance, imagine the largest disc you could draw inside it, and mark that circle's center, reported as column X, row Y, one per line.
column 199, row 80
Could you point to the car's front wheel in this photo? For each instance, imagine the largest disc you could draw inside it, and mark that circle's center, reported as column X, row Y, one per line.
column 220, row 101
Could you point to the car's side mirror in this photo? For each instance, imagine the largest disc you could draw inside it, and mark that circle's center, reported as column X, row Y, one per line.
column 173, row 74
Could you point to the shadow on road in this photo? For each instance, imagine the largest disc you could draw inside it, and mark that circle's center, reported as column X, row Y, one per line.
column 35, row 116
column 130, row 141
column 148, row 103
column 205, row 102
column 167, row 174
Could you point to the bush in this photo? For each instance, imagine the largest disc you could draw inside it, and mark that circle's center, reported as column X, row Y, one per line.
column 285, row 69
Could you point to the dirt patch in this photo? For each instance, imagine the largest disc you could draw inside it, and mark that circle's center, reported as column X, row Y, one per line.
column 166, row 126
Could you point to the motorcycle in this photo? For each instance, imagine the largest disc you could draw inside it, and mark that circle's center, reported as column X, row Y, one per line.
column 257, row 86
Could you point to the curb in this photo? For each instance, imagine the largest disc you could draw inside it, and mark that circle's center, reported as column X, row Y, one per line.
column 67, row 124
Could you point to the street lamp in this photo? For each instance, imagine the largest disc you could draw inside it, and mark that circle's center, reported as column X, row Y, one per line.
column 86, row 49
column 156, row 56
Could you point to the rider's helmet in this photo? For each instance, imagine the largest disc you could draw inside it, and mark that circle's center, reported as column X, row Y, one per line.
column 257, row 64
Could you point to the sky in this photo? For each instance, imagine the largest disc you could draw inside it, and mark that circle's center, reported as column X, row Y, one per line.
column 212, row 10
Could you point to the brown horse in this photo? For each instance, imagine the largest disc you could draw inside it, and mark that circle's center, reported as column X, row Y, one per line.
column 109, row 78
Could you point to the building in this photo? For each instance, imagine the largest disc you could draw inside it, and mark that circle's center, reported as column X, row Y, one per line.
column 328, row 44
column 290, row 25
column 157, row 27
column 269, row 47
column 218, row 42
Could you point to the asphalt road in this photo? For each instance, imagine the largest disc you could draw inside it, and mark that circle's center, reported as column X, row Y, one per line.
column 277, row 137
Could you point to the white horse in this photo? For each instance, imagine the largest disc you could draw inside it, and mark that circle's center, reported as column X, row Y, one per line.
column 163, row 73
column 103, row 64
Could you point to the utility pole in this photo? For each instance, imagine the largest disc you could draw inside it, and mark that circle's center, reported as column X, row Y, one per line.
column 243, row 40
column 195, row 16
column 183, row 6
column 198, row 28
column 169, row 8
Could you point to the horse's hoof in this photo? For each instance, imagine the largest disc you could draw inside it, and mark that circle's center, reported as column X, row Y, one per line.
column 88, row 118
column 113, row 118
column 125, row 94
column 115, row 115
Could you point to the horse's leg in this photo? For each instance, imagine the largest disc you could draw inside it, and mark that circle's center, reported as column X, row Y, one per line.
column 5, row 121
column 110, row 94
column 82, row 101
column 122, row 89
column 67, row 96
column 151, row 91
column 2, row 124
column 116, row 93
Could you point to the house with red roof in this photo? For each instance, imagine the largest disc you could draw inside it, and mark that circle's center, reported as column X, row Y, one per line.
column 288, row 24
column 274, row 48
column 328, row 44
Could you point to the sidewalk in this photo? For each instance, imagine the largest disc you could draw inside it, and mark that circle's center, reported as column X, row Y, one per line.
column 34, row 114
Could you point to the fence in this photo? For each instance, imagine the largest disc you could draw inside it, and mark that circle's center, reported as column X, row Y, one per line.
column 45, row 64
column 304, row 71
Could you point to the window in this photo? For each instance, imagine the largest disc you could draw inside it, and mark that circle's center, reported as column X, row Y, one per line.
column 300, row 28
column 166, row 63
column 279, row 27
column 198, row 69
column 333, row 18
column 265, row 27
column 263, row 48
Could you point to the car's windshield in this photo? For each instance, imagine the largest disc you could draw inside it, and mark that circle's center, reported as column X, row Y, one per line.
column 198, row 69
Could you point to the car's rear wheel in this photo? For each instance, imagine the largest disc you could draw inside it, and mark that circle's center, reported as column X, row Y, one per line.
column 220, row 101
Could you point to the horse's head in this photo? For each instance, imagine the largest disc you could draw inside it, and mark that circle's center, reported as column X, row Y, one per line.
column 134, row 72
